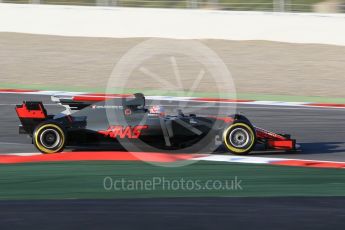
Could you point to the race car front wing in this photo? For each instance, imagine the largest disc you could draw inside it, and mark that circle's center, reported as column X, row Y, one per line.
column 275, row 141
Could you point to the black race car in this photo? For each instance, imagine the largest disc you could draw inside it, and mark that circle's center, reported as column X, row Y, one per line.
column 128, row 123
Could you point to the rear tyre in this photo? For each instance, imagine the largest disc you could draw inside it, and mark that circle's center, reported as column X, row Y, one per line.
column 239, row 138
column 49, row 138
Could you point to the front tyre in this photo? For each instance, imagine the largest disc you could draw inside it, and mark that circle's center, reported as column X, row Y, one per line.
column 49, row 138
column 239, row 138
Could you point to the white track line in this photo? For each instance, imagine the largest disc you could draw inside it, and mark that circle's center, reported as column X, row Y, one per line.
column 194, row 99
column 12, row 143
column 258, row 107
column 20, row 154
column 255, row 160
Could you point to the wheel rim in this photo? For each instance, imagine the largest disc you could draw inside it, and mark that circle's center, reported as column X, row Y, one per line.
column 50, row 138
column 239, row 138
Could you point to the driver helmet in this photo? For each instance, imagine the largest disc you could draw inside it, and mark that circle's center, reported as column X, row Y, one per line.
column 157, row 109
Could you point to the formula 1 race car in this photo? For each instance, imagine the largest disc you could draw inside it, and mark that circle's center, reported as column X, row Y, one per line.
column 129, row 123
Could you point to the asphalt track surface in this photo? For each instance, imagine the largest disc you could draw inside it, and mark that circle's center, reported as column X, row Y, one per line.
column 176, row 213
column 320, row 132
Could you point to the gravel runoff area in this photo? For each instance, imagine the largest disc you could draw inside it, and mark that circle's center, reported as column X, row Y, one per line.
column 257, row 67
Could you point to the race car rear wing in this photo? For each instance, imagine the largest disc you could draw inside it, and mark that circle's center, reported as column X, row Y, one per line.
column 30, row 114
column 31, row 109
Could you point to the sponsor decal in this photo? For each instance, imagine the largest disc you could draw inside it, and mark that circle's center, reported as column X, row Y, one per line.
column 157, row 110
column 107, row 107
column 119, row 131
column 128, row 112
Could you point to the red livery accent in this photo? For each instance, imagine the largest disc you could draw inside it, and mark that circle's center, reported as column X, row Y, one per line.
column 264, row 134
column 98, row 97
column 118, row 131
column 90, row 98
column 326, row 105
column 285, row 144
column 310, row 163
column 225, row 119
column 275, row 141
column 98, row 156
column 24, row 112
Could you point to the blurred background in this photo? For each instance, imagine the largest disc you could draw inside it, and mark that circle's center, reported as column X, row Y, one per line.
column 320, row 6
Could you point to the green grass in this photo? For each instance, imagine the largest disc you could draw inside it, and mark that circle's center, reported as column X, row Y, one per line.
column 76, row 180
